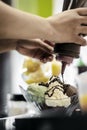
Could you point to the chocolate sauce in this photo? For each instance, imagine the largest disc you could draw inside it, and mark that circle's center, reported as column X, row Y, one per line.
column 53, row 89
column 61, row 86
column 55, row 78
column 44, row 84
column 63, row 69
column 65, row 88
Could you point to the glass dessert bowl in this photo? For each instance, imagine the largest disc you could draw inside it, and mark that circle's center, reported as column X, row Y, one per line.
column 49, row 95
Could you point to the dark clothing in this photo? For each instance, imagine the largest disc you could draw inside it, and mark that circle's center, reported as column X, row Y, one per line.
column 71, row 4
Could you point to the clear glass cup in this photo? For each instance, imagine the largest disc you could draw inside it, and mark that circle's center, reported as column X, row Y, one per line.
column 82, row 90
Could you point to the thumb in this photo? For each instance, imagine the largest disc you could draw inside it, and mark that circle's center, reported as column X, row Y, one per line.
column 80, row 40
column 82, row 11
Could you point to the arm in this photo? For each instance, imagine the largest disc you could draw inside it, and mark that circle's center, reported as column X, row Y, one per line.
column 32, row 48
column 21, row 25
column 7, row 45
column 64, row 27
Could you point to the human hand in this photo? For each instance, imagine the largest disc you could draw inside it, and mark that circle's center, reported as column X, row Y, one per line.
column 36, row 49
column 69, row 26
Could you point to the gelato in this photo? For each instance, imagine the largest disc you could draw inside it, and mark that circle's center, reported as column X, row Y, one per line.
column 37, row 92
column 56, row 95
column 53, row 93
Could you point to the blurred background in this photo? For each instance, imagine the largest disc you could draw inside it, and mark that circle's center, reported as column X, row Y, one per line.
column 11, row 63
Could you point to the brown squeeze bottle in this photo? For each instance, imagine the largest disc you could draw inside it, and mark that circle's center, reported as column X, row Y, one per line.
column 66, row 52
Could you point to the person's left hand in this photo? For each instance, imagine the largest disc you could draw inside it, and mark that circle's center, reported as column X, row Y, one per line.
column 37, row 48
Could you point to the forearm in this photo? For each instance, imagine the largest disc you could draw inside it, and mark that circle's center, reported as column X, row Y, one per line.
column 7, row 45
column 20, row 25
column 64, row 27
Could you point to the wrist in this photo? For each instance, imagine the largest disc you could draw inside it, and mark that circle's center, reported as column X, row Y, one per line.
column 51, row 33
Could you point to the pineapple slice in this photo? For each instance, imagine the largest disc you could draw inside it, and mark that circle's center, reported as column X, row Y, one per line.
column 31, row 65
column 37, row 77
column 56, row 67
column 37, row 72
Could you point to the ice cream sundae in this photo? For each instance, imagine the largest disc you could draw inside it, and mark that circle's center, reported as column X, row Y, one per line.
column 46, row 88
column 53, row 93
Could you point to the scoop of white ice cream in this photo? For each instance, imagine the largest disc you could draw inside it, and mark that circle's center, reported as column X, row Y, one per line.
column 55, row 95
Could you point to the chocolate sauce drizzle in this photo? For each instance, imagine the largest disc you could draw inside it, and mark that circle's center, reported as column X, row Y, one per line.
column 52, row 90
column 55, row 78
column 61, row 86
column 44, row 84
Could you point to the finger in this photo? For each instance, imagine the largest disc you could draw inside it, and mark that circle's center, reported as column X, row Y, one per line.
column 82, row 11
column 27, row 52
column 46, row 46
column 80, row 40
column 83, row 30
column 45, row 58
column 39, row 54
column 83, row 20
column 49, row 43
column 32, row 44
column 32, row 53
column 29, row 44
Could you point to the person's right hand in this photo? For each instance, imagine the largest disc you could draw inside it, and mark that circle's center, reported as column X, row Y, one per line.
column 69, row 25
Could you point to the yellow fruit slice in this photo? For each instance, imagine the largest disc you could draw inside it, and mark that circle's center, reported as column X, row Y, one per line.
column 56, row 67
column 36, row 77
column 31, row 65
